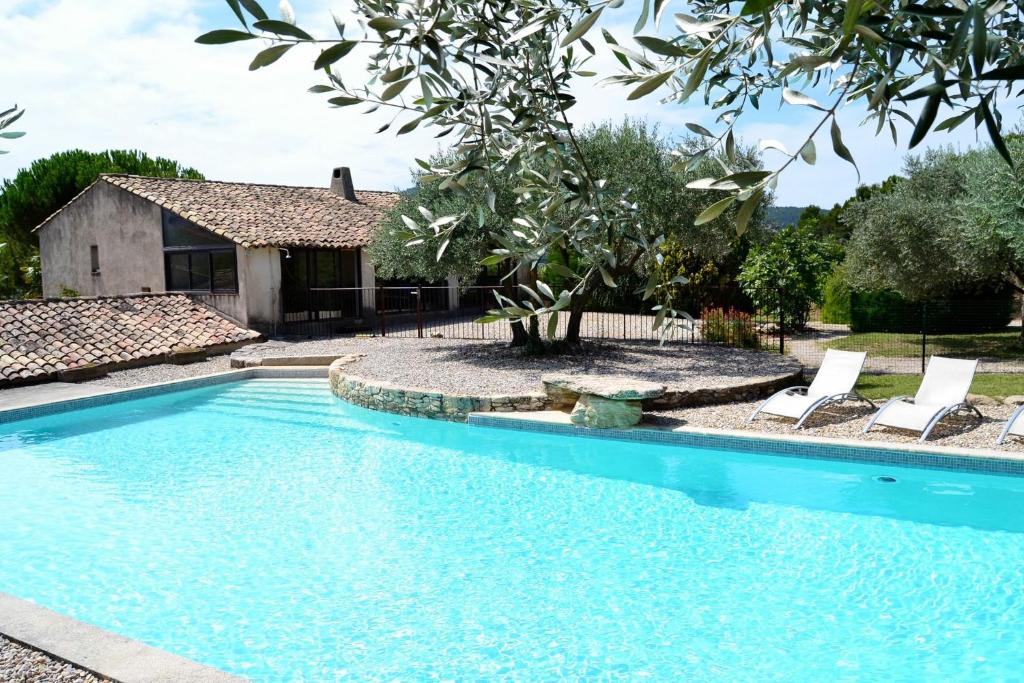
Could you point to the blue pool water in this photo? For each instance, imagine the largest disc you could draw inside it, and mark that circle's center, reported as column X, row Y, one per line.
column 266, row 528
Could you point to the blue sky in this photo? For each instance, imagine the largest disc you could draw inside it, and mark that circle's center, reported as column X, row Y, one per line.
column 101, row 74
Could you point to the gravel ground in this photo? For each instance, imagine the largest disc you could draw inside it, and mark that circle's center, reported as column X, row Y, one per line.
column 846, row 421
column 491, row 367
column 20, row 664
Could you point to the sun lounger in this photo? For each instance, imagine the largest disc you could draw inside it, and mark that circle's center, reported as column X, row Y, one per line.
column 1014, row 426
column 943, row 392
column 834, row 383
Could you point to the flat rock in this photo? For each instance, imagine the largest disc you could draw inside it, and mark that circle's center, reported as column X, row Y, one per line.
column 609, row 387
column 980, row 400
column 1015, row 400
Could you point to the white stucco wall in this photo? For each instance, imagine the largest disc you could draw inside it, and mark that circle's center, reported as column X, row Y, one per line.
column 127, row 231
column 262, row 268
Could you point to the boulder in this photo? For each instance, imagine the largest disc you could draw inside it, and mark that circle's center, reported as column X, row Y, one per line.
column 1014, row 400
column 980, row 400
column 605, row 413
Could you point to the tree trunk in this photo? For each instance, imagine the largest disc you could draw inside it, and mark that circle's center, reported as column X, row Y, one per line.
column 519, row 334
column 1017, row 282
column 576, row 310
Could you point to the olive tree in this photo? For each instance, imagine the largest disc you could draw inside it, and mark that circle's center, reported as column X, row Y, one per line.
column 497, row 76
column 916, row 239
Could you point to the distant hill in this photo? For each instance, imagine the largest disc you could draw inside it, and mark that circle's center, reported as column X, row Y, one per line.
column 784, row 215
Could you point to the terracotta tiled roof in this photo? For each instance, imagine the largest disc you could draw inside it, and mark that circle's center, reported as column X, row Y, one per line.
column 43, row 337
column 265, row 215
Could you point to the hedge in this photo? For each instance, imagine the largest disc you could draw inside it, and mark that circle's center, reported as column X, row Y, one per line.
column 890, row 312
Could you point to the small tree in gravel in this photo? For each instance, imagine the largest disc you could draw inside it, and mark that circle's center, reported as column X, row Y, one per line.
column 786, row 276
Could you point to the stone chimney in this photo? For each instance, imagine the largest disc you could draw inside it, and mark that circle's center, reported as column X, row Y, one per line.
column 341, row 183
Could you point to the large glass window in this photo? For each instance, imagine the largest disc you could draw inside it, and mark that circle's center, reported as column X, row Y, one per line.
column 197, row 260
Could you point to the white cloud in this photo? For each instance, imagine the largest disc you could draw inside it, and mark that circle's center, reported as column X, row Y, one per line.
column 100, row 74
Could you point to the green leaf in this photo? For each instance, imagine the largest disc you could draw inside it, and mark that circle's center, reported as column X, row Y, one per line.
column 650, row 85
column 993, row 130
column 410, row 126
column 552, row 326
column 254, row 9
column 11, row 135
column 979, row 41
column 954, row 121
column 493, row 259
column 696, row 76
column 746, row 211
column 334, row 53
column 1005, row 73
column 397, row 74
column 282, row 28
column 223, row 37
column 394, row 89
column 700, row 130
column 660, row 46
column 840, row 149
column 269, row 56
column 581, row 27
column 926, row 119
column 607, row 277
column 233, row 4
column 808, row 153
column 714, row 211
column 344, row 101
column 320, row 89
column 641, row 21
column 385, row 24
column 795, row 97
column 659, row 10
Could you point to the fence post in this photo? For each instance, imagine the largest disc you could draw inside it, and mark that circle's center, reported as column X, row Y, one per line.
column 924, row 335
column 419, row 312
column 782, row 326
column 381, row 306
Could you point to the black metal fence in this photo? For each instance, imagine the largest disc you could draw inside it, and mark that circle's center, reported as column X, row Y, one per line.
column 898, row 337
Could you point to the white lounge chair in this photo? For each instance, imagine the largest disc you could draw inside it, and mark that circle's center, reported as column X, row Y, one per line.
column 1015, row 425
column 834, row 383
column 943, row 392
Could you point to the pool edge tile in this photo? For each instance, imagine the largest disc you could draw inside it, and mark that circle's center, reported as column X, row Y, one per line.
column 927, row 457
column 96, row 650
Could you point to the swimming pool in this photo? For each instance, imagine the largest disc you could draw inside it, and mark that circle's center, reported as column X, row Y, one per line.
column 266, row 528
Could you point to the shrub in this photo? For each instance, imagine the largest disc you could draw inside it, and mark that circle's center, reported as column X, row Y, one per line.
column 785, row 276
column 729, row 326
column 887, row 311
column 835, row 307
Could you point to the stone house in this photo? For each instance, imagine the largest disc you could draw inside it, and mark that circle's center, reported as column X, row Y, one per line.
column 264, row 255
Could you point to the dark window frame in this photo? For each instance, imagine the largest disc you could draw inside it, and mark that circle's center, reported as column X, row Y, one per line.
column 199, row 251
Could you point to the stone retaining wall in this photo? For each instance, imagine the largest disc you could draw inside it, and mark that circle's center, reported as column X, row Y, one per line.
column 749, row 391
column 392, row 398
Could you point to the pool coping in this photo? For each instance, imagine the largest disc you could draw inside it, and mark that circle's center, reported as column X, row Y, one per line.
column 982, row 461
column 97, row 651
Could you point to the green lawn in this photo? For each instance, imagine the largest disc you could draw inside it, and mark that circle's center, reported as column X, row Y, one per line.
column 886, row 386
column 1001, row 345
